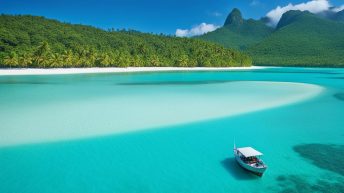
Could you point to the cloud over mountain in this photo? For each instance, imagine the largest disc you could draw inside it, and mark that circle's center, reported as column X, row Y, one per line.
column 196, row 30
column 338, row 9
column 313, row 6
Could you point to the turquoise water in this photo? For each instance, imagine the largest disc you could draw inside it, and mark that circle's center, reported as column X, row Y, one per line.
column 67, row 133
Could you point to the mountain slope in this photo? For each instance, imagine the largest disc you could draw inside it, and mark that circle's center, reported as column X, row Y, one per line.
column 38, row 42
column 339, row 16
column 238, row 33
column 294, row 16
column 302, row 39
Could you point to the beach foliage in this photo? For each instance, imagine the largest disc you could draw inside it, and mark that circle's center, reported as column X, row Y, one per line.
column 37, row 42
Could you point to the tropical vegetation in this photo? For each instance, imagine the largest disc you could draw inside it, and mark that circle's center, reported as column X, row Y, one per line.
column 37, row 42
column 239, row 33
column 302, row 39
column 299, row 39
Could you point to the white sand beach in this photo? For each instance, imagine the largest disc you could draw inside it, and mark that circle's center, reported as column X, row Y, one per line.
column 41, row 71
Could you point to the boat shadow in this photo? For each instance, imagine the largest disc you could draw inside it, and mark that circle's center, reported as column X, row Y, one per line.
column 236, row 171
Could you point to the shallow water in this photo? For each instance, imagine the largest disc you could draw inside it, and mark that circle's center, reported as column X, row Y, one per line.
column 182, row 129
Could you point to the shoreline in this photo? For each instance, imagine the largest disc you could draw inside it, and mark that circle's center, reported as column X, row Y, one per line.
column 57, row 71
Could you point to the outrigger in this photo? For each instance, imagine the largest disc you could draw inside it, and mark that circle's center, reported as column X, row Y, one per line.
column 248, row 158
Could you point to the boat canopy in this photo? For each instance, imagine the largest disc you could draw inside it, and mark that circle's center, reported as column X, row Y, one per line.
column 249, row 152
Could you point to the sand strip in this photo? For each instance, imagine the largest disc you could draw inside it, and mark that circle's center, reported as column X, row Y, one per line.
column 41, row 71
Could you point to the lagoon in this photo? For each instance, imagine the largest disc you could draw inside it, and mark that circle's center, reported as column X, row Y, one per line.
column 171, row 131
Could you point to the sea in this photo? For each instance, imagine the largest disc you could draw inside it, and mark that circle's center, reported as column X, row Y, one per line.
column 164, row 132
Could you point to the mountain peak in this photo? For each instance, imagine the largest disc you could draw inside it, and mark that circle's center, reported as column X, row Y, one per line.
column 234, row 18
column 292, row 16
column 339, row 16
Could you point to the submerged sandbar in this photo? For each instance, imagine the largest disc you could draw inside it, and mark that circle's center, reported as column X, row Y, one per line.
column 139, row 107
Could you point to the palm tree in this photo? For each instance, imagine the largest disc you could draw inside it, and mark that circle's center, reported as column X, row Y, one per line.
column 136, row 61
column 88, row 58
column 183, row 61
column 11, row 59
column 92, row 57
column 86, row 61
column 55, row 60
column 38, row 61
column 154, row 60
column 123, row 60
column 67, row 58
column 105, row 60
column 42, row 49
column 25, row 60
column 81, row 60
column 78, row 60
column 40, row 55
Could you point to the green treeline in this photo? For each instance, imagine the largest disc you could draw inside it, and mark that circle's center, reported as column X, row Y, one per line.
column 36, row 42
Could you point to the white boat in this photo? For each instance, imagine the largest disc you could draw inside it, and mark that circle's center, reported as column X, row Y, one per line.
column 249, row 159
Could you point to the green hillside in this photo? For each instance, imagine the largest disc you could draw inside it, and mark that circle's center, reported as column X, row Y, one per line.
column 238, row 33
column 302, row 39
column 30, row 41
column 299, row 39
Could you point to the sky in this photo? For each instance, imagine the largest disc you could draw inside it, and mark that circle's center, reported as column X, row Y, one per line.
column 180, row 17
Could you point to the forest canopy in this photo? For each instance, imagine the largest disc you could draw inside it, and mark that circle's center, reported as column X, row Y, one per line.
column 299, row 39
column 37, row 42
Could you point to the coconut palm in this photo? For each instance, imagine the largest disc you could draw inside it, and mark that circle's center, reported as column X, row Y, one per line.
column 55, row 60
column 183, row 61
column 42, row 49
column 155, row 60
column 123, row 60
column 105, row 60
column 136, row 61
column 81, row 59
column 67, row 58
column 40, row 55
column 92, row 57
column 78, row 60
column 25, row 60
column 11, row 59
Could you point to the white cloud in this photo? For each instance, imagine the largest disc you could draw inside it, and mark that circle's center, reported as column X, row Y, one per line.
column 182, row 32
column 255, row 3
column 313, row 6
column 197, row 30
column 338, row 9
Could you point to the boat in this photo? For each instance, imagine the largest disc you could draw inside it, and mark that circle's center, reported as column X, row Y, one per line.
column 249, row 159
